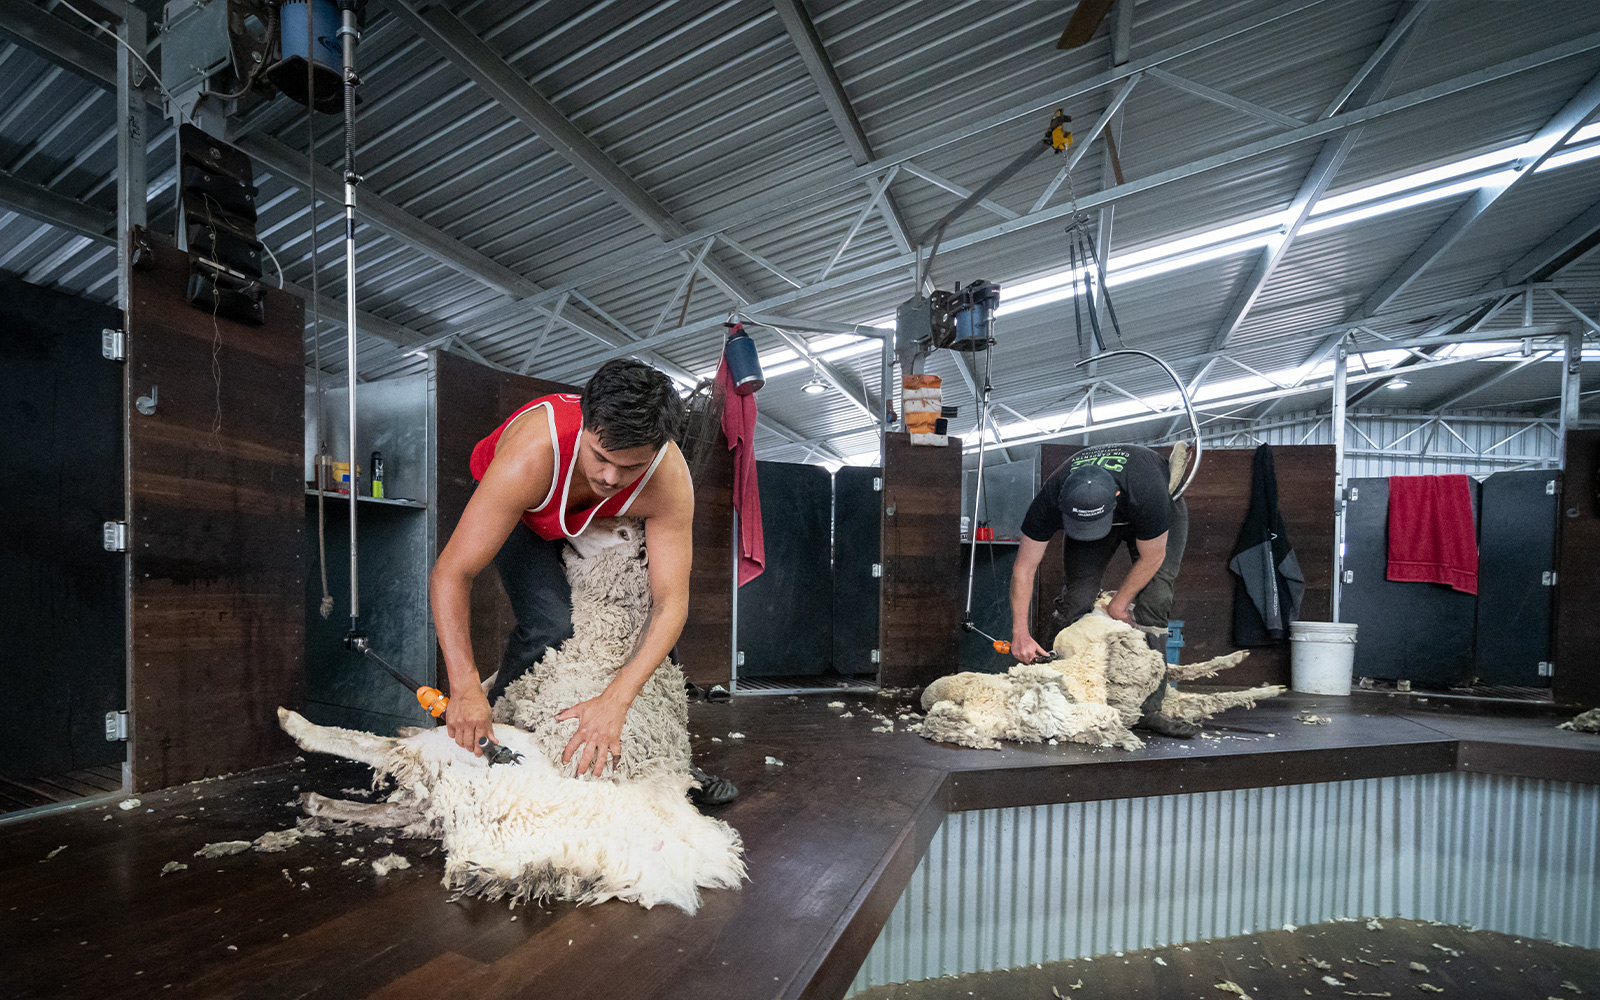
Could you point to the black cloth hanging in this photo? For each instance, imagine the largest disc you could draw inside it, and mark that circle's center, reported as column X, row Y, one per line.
column 1268, row 585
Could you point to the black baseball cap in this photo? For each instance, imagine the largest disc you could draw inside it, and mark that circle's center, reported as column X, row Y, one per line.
column 1088, row 501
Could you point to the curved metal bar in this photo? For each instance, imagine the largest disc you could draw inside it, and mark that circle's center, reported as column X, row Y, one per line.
column 1194, row 420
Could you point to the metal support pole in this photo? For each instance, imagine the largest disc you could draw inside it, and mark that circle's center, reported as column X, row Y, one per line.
column 1341, row 371
column 1571, row 394
column 348, row 37
column 132, row 181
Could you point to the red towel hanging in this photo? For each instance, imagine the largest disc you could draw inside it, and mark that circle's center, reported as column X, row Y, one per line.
column 1433, row 535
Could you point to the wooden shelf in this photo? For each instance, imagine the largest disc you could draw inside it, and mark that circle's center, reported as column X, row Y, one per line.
column 387, row 501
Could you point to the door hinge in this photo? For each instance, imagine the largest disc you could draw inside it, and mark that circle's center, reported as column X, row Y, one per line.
column 1546, row 669
column 116, row 726
column 1349, row 576
column 114, row 535
column 877, row 484
column 113, row 345
column 1548, row 578
column 877, row 657
column 1355, row 493
column 740, row 660
column 877, row 570
column 1550, row 488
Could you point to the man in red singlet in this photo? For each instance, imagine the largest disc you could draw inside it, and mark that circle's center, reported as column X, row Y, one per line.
column 543, row 475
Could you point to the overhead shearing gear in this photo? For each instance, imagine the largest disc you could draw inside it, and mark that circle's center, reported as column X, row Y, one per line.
column 1057, row 139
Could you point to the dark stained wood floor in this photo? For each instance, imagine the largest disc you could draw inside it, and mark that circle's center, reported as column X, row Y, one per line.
column 831, row 835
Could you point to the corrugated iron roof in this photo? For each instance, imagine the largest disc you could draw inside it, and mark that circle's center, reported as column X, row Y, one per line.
column 709, row 107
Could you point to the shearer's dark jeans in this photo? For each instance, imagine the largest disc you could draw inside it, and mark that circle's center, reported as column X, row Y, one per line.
column 536, row 582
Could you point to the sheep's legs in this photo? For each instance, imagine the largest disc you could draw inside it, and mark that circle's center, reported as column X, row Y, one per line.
column 1193, row 706
column 1205, row 668
column 365, row 813
column 351, row 743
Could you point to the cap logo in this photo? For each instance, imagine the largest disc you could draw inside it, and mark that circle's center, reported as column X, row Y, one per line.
column 1095, row 512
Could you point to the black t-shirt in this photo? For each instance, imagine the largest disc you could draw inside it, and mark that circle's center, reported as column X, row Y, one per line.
column 1142, row 501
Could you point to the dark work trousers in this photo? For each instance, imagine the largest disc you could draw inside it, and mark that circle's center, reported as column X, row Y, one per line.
column 1085, row 563
column 536, row 582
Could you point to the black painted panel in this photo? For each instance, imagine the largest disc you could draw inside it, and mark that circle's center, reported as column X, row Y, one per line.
column 62, row 477
column 857, row 542
column 786, row 613
column 1421, row 632
column 1516, row 553
column 991, row 605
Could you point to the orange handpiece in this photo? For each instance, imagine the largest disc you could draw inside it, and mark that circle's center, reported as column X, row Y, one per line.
column 432, row 701
column 1002, row 647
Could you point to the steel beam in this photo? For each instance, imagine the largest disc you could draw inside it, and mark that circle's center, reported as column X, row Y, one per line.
column 1492, row 379
column 1569, row 243
column 133, row 187
column 1315, row 130
column 945, row 184
column 797, row 22
column 1341, row 389
column 1373, row 83
column 1545, row 142
column 456, row 42
column 1571, row 389
column 1226, row 100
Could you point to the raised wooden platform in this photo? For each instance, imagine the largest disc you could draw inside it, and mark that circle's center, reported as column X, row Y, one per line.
column 832, row 835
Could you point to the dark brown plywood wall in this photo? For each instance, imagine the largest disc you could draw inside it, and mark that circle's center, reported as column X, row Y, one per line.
column 473, row 400
column 920, row 624
column 1577, row 627
column 1217, row 502
column 217, row 506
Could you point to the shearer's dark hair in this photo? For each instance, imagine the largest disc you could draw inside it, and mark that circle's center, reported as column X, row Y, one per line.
column 631, row 405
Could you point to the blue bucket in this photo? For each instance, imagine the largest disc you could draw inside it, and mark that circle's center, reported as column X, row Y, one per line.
column 744, row 364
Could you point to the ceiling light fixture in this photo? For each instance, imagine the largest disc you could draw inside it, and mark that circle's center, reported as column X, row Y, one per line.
column 815, row 386
column 1397, row 383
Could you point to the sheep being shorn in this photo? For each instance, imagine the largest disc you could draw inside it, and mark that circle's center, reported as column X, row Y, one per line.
column 610, row 603
column 531, row 831
column 527, row 832
column 1091, row 693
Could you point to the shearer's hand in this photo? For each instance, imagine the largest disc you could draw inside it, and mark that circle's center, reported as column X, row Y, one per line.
column 1121, row 608
column 1026, row 650
column 467, row 717
column 599, row 734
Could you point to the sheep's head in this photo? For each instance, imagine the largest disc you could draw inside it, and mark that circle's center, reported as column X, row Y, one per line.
column 606, row 533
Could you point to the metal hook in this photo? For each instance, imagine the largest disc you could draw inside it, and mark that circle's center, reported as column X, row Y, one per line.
column 1183, row 394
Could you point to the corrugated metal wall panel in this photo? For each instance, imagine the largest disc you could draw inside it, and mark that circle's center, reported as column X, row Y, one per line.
column 1001, row 888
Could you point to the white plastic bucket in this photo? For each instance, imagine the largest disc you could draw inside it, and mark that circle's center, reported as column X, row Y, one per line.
column 1322, row 657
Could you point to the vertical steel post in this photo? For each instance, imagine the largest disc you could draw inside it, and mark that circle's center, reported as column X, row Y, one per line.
column 132, row 181
column 1341, row 372
column 1571, row 360
column 348, row 37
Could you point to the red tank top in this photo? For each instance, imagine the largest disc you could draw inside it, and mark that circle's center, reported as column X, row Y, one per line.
column 551, row 519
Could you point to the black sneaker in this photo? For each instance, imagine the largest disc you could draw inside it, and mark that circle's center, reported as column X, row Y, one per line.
column 713, row 790
column 1165, row 725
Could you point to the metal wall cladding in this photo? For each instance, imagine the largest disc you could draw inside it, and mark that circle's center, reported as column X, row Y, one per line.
column 1501, row 444
column 1002, row 888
